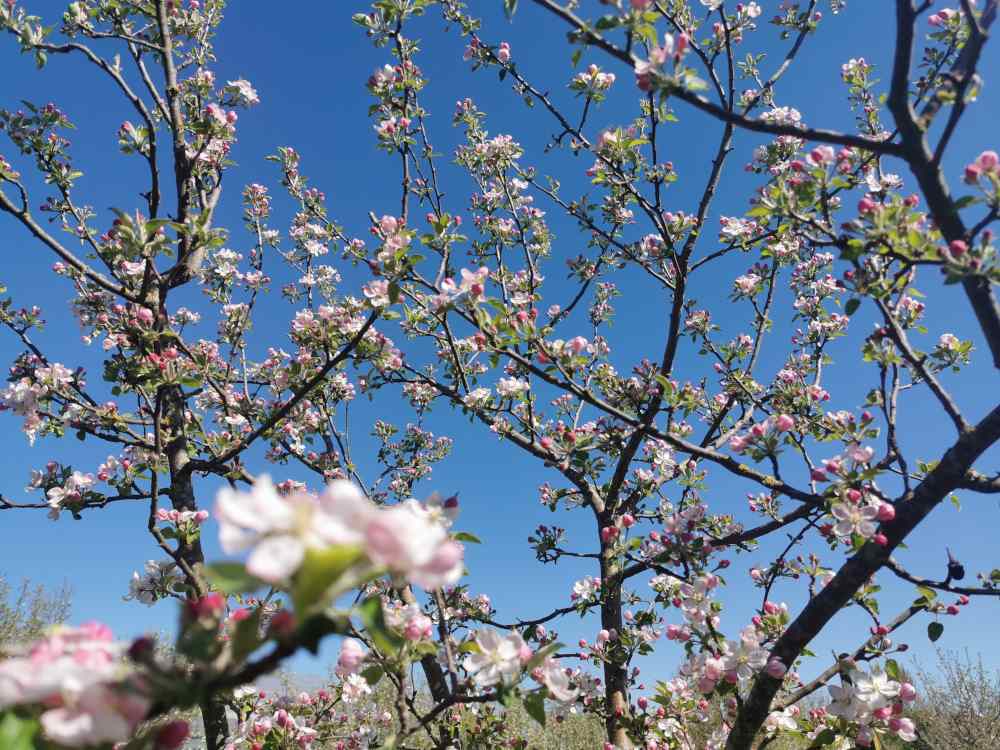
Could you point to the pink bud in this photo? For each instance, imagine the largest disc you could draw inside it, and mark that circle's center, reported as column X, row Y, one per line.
column 886, row 512
column 524, row 653
column 881, row 539
column 907, row 692
column 784, row 423
column 282, row 623
column 866, row 206
column 770, row 608
column 958, row 248
column 988, row 160
column 776, row 668
column 172, row 736
column 952, row 609
column 628, row 520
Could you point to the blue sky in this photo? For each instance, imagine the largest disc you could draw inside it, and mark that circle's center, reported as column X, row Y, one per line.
column 310, row 69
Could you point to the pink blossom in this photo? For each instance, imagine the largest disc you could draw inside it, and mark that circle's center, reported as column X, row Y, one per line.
column 784, row 423
column 352, row 654
column 988, row 161
column 776, row 668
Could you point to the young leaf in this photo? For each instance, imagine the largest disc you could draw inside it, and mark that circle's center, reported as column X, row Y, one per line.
column 17, row 733
column 320, row 569
column 246, row 638
column 892, row 669
column 541, row 655
column 373, row 674
column 534, row 704
column 371, row 615
column 231, row 578
column 934, row 631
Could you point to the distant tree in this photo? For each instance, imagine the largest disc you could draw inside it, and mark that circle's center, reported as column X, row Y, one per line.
column 959, row 704
column 25, row 612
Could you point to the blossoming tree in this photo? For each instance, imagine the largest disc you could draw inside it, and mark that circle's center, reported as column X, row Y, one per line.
column 358, row 557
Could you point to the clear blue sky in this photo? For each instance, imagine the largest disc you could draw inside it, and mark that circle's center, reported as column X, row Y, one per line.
column 309, row 64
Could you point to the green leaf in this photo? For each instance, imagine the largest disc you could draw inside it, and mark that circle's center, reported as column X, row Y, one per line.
column 231, row 578
column 320, row 569
column 534, row 704
column 927, row 593
column 541, row 655
column 965, row 201
column 824, row 738
column 505, row 694
column 995, row 575
column 934, row 631
column 465, row 536
column 510, row 7
column 373, row 674
column 17, row 733
column 246, row 639
column 892, row 669
column 312, row 632
column 668, row 387
column 371, row 615
column 852, row 306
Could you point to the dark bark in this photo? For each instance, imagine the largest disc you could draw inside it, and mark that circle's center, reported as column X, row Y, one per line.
column 911, row 509
column 615, row 671
column 182, row 497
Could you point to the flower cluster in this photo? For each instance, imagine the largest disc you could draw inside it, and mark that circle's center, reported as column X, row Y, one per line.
column 405, row 539
column 76, row 679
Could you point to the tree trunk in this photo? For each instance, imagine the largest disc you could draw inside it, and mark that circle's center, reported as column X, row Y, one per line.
column 213, row 710
column 615, row 674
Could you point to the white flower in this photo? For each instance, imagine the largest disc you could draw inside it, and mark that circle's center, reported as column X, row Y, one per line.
column 242, row 92
column 556, row 679
column 153, row 584
column 478, row 398
column 711, row 4
column 745, row 657
column 785, row 719
column 586, row 589
column 907, row 731
column 508, row 387
column 876, row 689
column 280, row 529
column 498, row 660
column 949, row 342
column 854, row 519
column 402, row 538
column 355, row 688
column 438, row 510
